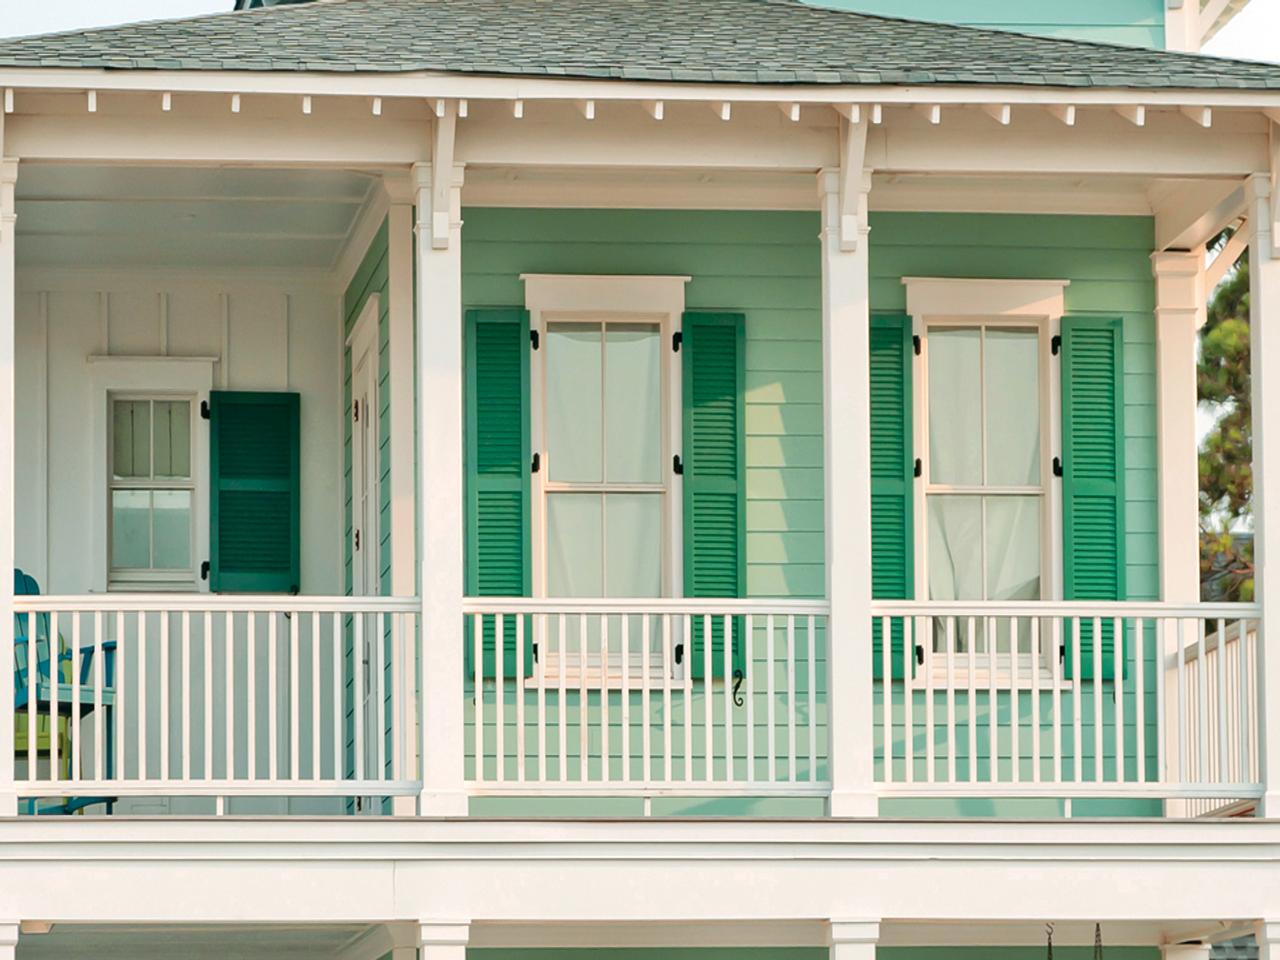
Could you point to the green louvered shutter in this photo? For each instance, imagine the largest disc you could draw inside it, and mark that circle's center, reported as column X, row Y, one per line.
column 497, row 473
column 254, row 498
column 714, row 349
column 1093, row 478
column 892, row 477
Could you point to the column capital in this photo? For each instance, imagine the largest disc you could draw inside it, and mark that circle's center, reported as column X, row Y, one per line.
column 1267, row 931
column 400, row 187
column 853, row 931
column 8, row 169
column 444, row 933
column 9, row 930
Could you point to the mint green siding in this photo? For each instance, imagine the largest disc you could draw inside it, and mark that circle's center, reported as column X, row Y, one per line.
column 766, row 265
column 1132, row 22
column 1107, row 261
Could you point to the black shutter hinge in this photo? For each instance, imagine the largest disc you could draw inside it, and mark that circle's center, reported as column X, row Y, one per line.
column 537, row 463
column 679, row 653
column 357, row 541
column 204, row 570
column 533, row 338
column 355, row 411
column 204, row 409
column 1057, row 466
column 919, row 655
column 677, row 465
column 677, row 339
column 1055, row 344
column 915, row 344
column 918, row 470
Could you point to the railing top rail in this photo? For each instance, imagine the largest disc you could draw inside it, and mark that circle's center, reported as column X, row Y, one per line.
column 209, row 603
column 649, row 605
column 1066, row 608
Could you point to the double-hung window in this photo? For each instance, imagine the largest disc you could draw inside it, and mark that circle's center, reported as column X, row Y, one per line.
column 151, row 491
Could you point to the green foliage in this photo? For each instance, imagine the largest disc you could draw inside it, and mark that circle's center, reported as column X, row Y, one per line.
column 1226, row 455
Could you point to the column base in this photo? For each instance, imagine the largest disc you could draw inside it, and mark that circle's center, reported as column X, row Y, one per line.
column 863, row 806
column 404, row 806
column 443, row 804
column 1269, row 806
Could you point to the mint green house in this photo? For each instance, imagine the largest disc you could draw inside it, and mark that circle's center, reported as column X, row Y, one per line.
column 630, row 479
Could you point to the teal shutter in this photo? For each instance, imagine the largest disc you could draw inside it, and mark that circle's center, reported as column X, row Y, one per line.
column 497, row 474
column 254, row 497
column 892, row 479
column 713, row 346
column 1093, row 478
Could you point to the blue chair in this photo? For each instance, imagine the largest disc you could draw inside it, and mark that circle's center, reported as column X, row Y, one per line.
column 48, row 679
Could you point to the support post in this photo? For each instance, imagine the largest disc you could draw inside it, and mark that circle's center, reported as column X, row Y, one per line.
column 9, row 931
column 440, row 553
column 1264, row 346
column 852, row 939
column 846, row 320
column 1182, row 25
column 443, row 940
column 1267, row 935
column 401, row 366
column 1180, row 312
column 8, row 224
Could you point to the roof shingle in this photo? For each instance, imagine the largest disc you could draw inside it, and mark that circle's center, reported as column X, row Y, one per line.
column 720, row 41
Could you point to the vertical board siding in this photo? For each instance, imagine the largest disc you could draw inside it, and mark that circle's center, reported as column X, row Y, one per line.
column 1107, row 260
column 1133, row 22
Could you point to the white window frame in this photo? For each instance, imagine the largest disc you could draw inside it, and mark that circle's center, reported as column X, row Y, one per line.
column 937, row 302
column 567, row 298
column 160, row 378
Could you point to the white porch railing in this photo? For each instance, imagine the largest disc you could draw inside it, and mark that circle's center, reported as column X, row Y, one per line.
column 1004, row 700
column 195, row 696
column 628, row 697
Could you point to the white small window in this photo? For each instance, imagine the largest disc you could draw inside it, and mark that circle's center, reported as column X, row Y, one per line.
column 151, row 495
column 987, row 506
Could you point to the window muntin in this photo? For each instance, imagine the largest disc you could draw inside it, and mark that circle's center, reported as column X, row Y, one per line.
column 985, row 491
column 151, row 490
column 605, row 492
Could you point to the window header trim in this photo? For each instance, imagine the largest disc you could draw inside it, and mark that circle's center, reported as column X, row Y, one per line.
column 952, row 297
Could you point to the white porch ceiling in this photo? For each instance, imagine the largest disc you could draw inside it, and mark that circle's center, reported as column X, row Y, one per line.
column 72, row 215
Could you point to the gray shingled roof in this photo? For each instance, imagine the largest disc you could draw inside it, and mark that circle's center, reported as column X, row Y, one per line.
column 720, row 41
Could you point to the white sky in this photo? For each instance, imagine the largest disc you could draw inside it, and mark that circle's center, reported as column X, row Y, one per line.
column 1254, row 34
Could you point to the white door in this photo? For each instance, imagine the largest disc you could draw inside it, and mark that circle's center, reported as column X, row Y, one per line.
column 364, row 543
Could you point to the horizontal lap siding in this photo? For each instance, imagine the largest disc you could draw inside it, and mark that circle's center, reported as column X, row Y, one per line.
column 765, row 265
column 1107, row 260
column 1133, row 22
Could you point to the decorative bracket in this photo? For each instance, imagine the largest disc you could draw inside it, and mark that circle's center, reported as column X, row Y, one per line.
column 854, row 182
column 442, row 144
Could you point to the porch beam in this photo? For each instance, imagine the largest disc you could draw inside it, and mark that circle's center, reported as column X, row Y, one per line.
column 1264, row 345
column 8, row 425
column 846, row 319
column 439, row 309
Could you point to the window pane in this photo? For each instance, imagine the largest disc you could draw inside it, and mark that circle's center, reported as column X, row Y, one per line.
column 633, row 549
column 1013, row 548
column 1012, row 364
column 131, row 529
column 173, row 438
column 955, row 405
column 955, row 548
column 172, row 518
column 573, row 410
column 131, row 438
column 633, row 405
column 574, row 538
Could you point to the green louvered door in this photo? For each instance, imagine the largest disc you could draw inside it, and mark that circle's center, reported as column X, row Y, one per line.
column 1093, row 478
column 497, row 472
column 892, row 476
column 713, row 349
column 254, row 497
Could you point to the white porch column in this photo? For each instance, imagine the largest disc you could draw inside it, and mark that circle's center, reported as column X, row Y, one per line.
column 1264, row 345
column 1182, row 25
column 439, row 255
column 1267, row 933
column 852, row 939
column 403, row 493
column 1185, row 951
column 443, row 940
column 8, row 221
column 1180, row 312
column 9, row 933
column 846, row 398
